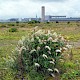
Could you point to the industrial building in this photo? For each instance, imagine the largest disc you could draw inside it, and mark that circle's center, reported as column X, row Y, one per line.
column 60, row 18
column 49, row 18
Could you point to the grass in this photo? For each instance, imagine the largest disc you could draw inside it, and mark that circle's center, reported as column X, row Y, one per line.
column 9, row 40
column 8, row 43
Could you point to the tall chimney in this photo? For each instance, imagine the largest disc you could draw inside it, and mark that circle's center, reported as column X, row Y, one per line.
column 42, row 13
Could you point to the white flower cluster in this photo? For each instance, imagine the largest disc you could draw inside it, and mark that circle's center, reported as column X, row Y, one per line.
column 20, row 42
column 19, row 49
column 55, row 34
column 55, row 69
column 52, row 62
column 39, row 32
column 68, row 46
column 49, row 52
column 47, row 47
column 45, row 56
column 64, row 49
column 32, row 50
column 58, row 51
column 37, row 64
column 52, row 75
column 50, row 39
column 38, row 48
column 50, row 69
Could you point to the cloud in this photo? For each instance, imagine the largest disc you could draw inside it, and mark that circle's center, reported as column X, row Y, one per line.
column 19, row 9
column 29, row 8
column 48, row 0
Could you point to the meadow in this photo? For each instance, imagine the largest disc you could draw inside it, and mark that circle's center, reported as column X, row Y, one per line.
column 9, row 41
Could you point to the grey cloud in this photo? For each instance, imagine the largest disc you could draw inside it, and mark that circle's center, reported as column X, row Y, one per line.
column 9, row 0
column 48, row 0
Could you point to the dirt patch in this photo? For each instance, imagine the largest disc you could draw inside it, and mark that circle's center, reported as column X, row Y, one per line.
column 76, row 44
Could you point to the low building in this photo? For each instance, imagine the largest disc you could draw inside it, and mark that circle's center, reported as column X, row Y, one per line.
column 49, row 18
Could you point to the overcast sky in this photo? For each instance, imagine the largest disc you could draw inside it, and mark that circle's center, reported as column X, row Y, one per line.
column 29, row 8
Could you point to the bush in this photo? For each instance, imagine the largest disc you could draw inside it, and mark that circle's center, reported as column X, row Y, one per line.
column 13, row 30
column 17, row 23
column 47, row 22
column 11, row 24
column 33, row 22
column 2, row 25
column 68, row 22
column 39, row 54
column 57, row 22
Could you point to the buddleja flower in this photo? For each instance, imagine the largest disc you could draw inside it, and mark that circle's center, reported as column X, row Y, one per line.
column 50, row 69
column 37, row 64
column 55, row 69
column 55, row 40
column 68, row 46
column 64, row 49
column 45, row 56
column 23, row 47
column 39, row 32
column 32, row 51
column 49, row 52
column 55, row 34
column 53, row 59
column 62, row 38
column 49, row 32
column 58, row 51
column 52, row 75
column 52, row 62
column 47, row 47
column 20, row 42
column 50, row 39
column 38, row 48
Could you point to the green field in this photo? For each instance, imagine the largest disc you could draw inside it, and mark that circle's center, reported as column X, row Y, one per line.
column 9, row 40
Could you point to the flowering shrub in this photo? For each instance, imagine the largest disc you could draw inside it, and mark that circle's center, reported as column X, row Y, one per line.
column 39, row 54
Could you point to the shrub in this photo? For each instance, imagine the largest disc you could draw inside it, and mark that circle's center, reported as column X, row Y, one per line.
column 13, row 30
column 33, row 22
column 39, row 54
column 68, row 22
column 17, row 23
column 57, row 22
column 11, row 24
column 47, row 22
column 3, row 25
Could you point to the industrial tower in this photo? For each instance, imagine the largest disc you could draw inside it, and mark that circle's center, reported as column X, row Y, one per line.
column 42, row 13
